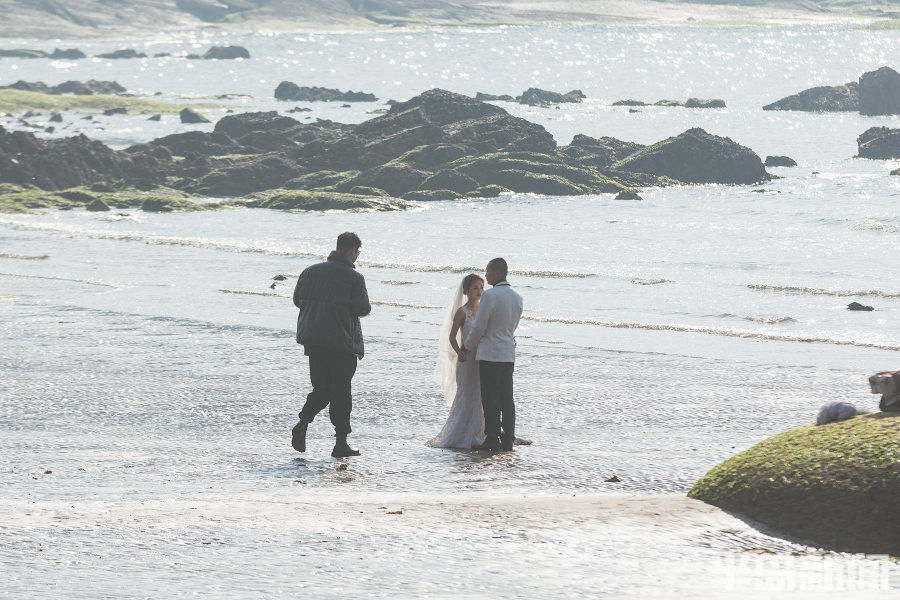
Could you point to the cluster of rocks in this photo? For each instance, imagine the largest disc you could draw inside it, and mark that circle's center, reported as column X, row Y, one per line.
column 215, row 52
column 689, row 103
column 875, row 93
column 435, row 146
column 534, row 97
column 79, row 88
column 291, row 92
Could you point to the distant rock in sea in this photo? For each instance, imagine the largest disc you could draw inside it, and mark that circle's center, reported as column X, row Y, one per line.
column 858, row 306
column 538, row 97
column 68, row 54
column 288, row 91
column 482, row 97
column 124, row 53
column 23, row 53
column 226, row 52
column 879, row 143
column 120, row 110
column 875, row 93
column 780, row 161
column 689, row 103
column 879, row 92
column 628, row 195
column 87, row 88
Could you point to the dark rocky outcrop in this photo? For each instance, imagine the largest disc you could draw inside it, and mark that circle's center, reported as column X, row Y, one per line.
column 539, row 97
column 600, row 153
column 97, row 205
column 879, row 143
column 288, row 91
column 482, row 97
column 191, row 116
column 698, row 157
column 124, row 53
column 120, row 110
column 226, row 52
column 780, row 161
column 629, row 102
column 704, row 103
column 689, row 103
column 79, row 88
column 821, row 99
column 23, row 53
column 879, row 92
column 628, row 195
column 67, row 54
column 858, row 306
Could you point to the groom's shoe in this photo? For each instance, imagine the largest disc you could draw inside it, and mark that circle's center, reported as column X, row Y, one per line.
column 298, row 434
column 342, row 448
column 491, row 444
column 506, row 443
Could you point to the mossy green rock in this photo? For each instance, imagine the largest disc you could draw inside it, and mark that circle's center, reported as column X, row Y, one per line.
column 836, row 486
column 319, row 200
column 487, row 191
column 431, row 195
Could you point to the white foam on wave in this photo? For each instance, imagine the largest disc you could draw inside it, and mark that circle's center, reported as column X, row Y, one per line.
column 873, row 225
column 54, row 278
column 24, row 256
column 822, row 292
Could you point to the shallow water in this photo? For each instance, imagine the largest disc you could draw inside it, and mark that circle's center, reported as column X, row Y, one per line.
column 660, row 337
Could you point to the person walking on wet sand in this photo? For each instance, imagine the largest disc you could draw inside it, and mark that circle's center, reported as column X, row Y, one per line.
column 331, row 297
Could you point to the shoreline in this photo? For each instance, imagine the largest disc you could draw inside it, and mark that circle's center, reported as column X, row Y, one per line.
column 36, row 24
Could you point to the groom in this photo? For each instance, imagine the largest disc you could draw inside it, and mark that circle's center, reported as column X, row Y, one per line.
column 493, row 334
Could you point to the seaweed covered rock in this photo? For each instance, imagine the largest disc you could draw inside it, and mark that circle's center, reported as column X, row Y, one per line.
column 124, row 53
column 696, row 156
column 79, row 88
column 246, row 176
column 190, row 142
column 704, row 103
column 22, row 53
column 598, row 152
column 879, row 92
column 226, row 53
column 288, row 91
column 821, row 99
column 879, row 143
column 836, row 486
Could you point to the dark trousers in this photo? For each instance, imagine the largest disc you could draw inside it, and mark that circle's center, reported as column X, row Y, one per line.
column 497, row 398
column 330, row 372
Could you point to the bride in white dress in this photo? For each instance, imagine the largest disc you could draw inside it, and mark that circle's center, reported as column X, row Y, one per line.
column 457, row 371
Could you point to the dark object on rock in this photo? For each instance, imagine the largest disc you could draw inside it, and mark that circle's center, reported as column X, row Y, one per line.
column 879, row 92
column 189, row 116
column 704, row 103
column 482, row 97
column 780, row 161
column 56, row 118
column 695, row 156
column 836, row 411
column 23, row 53
column 97, row 205
column 116, row 111
column 879, row 143
column 288, row 91
column 821, row 99
column 629, row 102
column 69, row 54
column 226, row 52
column 155, row 118
column 613, row 479
column 538, row 97
column 858, row 306
column 124, row 53
column 628, row 195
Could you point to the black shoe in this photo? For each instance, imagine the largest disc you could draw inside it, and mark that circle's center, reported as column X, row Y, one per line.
column 506, row 443
column 342, row 448
column 298, row 435
column 491, row 444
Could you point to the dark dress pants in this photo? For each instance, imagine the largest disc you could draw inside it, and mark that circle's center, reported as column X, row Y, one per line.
column 497, row 398
column 330, row 372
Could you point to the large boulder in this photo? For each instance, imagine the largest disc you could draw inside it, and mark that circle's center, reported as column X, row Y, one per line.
column 226, row 52
column 704, row 103
column 191, row 116
column 879, row 92
column 67, row 54
column 695, row 156
column 780, row 161
column 191, row 142
column 288, row 91
column 482, row 97
column 879, row 142
column 86, row 88
column 28, row 86
column 240, row 125
column 246, row 176
column 396, row 180
column 821, row 99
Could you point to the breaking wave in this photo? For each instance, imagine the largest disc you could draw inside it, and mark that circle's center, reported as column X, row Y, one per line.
column 822, row 292
column 53, row 278
column 23, row 256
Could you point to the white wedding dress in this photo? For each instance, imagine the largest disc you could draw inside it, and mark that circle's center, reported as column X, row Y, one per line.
column 465, row 423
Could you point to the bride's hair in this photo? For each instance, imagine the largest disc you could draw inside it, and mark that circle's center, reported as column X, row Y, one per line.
column 469, row 279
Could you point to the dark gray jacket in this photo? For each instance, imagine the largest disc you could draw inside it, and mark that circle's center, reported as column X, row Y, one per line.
column 332, row 297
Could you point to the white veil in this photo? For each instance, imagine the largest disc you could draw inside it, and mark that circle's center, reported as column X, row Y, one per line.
column 445, row 369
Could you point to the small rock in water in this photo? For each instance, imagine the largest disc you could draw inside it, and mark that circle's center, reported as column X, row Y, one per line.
column 56, row 118
column 121, row 110
column 97, row 205
column 297, row 109
column 190, row 116
column 50, row 129
column 613, row 479
column 155, row 118
column 780, row 161
column 628, row 195
column 279, row 278
column 858, row 306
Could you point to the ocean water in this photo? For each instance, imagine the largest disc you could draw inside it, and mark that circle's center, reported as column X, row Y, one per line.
column 148, row 361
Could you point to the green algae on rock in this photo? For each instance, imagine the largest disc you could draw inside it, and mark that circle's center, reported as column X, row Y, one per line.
column 836, row 486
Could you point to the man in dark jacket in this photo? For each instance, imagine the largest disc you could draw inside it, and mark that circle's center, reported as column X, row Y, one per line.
column 331, row 297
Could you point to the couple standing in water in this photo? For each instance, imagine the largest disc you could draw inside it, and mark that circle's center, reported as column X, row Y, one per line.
column 475, row 363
